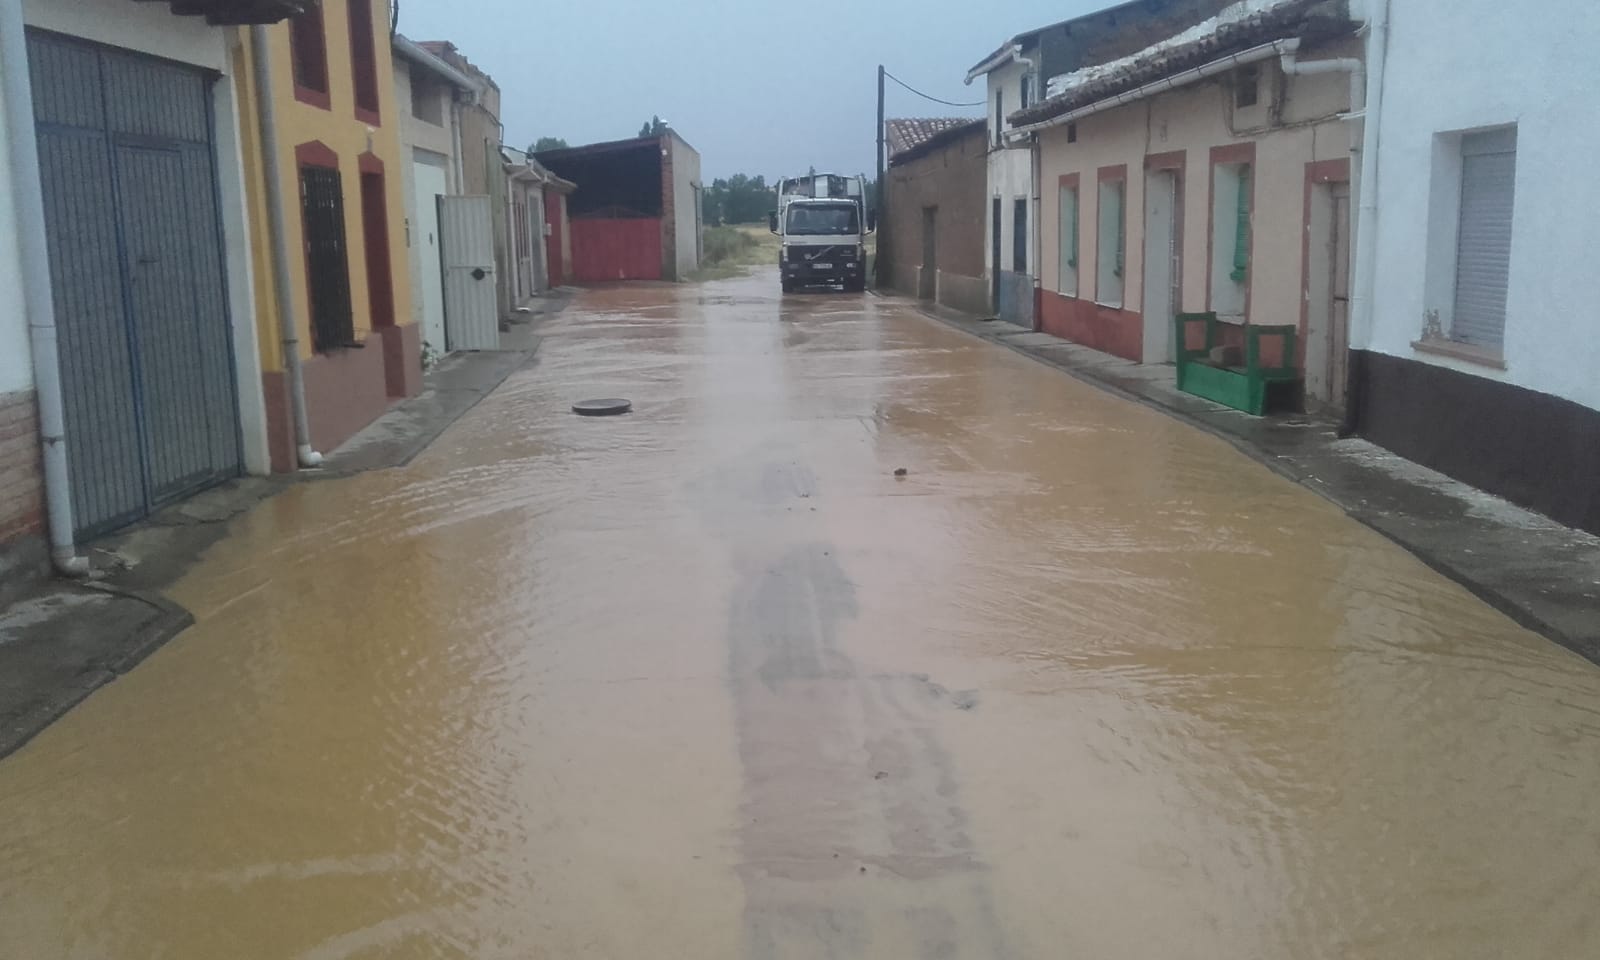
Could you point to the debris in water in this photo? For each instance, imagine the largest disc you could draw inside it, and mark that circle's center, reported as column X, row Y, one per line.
column 900, row 471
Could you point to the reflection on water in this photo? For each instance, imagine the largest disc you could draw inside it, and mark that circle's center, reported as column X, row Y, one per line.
column 710, row 681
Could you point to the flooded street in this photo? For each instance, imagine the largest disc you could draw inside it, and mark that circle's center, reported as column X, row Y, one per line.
column 710, row 681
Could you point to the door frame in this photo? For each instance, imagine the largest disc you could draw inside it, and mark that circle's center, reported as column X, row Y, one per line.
column 1159, row 330
column 1320, row 175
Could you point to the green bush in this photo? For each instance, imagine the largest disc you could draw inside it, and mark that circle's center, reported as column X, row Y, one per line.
column 727, row 245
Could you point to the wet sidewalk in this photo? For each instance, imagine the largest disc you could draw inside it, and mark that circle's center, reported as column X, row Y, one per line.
column 61, row 640
column 1542, row 574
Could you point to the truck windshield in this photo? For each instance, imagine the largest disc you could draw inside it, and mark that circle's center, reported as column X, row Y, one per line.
column 834, row 220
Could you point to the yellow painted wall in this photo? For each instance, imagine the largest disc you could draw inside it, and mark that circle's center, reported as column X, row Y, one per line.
column 347, row 136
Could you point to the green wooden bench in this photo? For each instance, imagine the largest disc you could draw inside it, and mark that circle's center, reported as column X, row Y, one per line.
column 1243, row 387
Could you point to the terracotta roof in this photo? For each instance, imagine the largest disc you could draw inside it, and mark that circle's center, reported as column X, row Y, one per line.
column 908, row 133
column 1307, row 19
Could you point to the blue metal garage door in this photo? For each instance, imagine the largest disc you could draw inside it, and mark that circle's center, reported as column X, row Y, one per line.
column 125, row 149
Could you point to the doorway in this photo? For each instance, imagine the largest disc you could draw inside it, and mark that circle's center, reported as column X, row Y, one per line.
column 429, row 183
column 1328, row 295
column 928, row 279
column 1163, row 262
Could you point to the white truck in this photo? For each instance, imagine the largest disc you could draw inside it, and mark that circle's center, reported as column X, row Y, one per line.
column 824, row 221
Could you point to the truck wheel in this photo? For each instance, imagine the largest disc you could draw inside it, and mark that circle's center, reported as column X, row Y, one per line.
column 855, row 286
column 788, row 286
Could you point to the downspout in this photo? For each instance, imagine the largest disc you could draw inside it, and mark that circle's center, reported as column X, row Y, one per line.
column 283, row 286
column 38, row 298
column 1038, row 231
column 1366, row 226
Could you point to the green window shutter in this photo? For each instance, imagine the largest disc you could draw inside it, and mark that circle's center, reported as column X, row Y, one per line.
column 1074, row 260
column 1122, row 226
column 1241, row 233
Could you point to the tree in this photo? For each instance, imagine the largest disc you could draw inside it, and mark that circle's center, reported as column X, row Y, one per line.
column 654, row 128
column 548, row 143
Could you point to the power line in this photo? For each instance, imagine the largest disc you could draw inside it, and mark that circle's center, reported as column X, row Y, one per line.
column 948, row 103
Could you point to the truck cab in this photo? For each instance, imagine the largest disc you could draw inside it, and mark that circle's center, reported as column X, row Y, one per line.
column 824, row 223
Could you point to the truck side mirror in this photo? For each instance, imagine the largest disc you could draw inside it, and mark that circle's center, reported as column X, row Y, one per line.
column 872, row 222
column 772, row 220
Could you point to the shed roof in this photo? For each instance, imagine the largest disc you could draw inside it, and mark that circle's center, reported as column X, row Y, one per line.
column 910, row 137
column 239, row 12
column 1002, row 53
column 1277, row 20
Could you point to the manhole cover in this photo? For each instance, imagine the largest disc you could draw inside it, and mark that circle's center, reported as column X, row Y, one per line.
column 602, row 408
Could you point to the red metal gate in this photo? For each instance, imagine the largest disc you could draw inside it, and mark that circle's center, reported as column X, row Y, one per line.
column 615, row 249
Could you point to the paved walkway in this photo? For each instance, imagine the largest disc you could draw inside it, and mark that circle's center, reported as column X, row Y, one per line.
column 1542, row 574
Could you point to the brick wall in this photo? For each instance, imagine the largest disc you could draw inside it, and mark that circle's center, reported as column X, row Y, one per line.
column 951, row 178
column 21, row 485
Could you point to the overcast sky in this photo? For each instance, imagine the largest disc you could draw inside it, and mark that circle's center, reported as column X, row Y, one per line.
column 763, row 88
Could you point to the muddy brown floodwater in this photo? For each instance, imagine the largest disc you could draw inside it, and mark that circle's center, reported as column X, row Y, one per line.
column 710, row 681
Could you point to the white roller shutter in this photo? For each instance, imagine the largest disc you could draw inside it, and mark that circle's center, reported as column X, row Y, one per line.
column 1483, row 244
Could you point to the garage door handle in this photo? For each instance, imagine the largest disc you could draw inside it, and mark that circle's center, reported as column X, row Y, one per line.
column 478, row 274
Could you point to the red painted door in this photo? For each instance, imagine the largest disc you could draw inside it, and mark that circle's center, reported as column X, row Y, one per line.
column 605, row 249
column 552, row 247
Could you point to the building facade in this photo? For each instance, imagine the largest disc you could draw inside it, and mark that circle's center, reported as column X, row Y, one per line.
column 1479, row 358
column 636, row 212
column 137, row 133
column 341, row 179
column 1017, row 77
column 1012, row 82
column 430, row 95
column 1198, row 177
column 934, row 196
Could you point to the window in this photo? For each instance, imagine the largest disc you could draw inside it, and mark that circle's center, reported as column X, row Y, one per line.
column 363, row 59
column 427, row 99
column 1111, row 244
column 327, row 263
column 1247, row 86
column 1067, row 277
column 375, row 236
column 999, row 115
column 1019, row 236
column 1072, row 132
column 1230, row 239
column 1483, row 237
column 1025, row 95
column 308, row 55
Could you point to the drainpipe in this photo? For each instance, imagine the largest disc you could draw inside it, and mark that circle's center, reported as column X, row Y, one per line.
column 1038, row 230
column 1366, row 227
column 38, row 298
column 283, row 286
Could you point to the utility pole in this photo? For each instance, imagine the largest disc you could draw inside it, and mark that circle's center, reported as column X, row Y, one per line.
column 877, row 260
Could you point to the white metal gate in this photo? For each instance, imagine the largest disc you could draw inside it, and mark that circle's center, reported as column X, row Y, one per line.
column 466, row 233
column 429, row 184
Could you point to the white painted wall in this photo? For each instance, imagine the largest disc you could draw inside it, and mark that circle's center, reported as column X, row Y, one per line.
column 1459, row 65
column 16, row 367
column 685, row 176
column 152, row 28
column 1010, row 172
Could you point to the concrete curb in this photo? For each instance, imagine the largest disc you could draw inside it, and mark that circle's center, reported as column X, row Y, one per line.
column 1517, row 607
